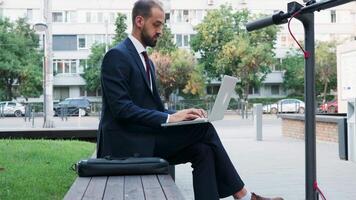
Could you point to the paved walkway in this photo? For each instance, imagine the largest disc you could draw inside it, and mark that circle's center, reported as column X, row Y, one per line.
column 274, row 166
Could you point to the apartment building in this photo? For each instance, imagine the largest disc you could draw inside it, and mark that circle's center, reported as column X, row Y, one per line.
column 77, row 24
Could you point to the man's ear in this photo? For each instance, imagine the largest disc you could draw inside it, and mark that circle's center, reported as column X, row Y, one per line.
column 139, row 21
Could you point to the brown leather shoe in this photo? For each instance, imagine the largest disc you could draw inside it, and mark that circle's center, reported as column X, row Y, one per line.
column 258, row 197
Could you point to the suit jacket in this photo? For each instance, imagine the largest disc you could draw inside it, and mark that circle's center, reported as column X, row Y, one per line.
column 131, row 112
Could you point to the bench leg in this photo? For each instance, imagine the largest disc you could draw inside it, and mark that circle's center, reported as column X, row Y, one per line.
column 172, row 172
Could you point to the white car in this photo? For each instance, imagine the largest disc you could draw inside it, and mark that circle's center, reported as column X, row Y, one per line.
column 9, row 108
column 285, row 106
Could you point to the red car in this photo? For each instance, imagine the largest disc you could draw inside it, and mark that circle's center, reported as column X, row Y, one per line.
column 329, row 107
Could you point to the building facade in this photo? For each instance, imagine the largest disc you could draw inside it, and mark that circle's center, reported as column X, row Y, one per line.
column 78, row 24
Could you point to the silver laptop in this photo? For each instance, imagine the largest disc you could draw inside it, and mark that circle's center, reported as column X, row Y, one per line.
column 221, row 103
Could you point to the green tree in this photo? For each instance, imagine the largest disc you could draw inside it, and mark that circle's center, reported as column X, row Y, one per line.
column 20, row 61
column 246, row 59
column 165, row 44
column 92, row 71
column 176, row 71
column 293, row 65
column 217, row 28
column 325, row 65
column 247, row 56
column 120, row 28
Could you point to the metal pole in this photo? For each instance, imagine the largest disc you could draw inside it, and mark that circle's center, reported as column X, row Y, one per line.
column 258, row 121
column 309, row 91
column 48, row 97
column 106, row 35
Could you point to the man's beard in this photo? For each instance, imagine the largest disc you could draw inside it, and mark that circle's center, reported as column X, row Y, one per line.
column 147, row 40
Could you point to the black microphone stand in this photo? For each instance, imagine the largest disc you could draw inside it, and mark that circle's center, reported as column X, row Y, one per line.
column 306, row 16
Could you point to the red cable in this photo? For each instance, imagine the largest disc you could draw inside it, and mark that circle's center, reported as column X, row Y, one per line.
column 315, row 186
column 306, row 53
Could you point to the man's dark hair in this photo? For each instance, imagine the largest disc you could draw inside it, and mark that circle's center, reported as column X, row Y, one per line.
column 143, row 8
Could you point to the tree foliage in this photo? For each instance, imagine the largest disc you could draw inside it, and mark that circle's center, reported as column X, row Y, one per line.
column 325, row 65
column 177, row 71
column 226, row 47
column 325, row 68
column 92, row 71
column 165, row 44
column 120, row 28
column 217, row 29
column 20, row 61
column 293, row 65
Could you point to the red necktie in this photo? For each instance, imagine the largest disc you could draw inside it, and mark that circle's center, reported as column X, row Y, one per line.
column 144, row 53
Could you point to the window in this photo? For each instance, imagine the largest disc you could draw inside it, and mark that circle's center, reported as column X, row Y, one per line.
column 333, row 16
column 100, row 17
column 182, row 40
column 112, row 18
column 73, row 67
column 179, row 42
column 29, row 14
column 186, row 15
column 59, row 67
column 275, row 89
column 57, row 17
column 82, row 91
column 253, row 90
column 88, row 17
column 65, row 66
column 65, row 43
column 199, row 15
column 72, row 16
column 60, row 93
column 82, row 66
column 167, row 16
column 64, row 16
column 210, row 2
column 179, row 16
column 82, row 42
column 11, row 104
column 186, row 41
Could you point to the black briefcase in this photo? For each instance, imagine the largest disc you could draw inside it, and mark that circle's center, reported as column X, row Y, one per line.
column 121, row 166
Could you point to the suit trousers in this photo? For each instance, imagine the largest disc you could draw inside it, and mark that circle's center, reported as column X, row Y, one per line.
column 214, row 175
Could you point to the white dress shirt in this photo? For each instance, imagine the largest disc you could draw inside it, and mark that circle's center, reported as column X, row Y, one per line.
column 140, row 48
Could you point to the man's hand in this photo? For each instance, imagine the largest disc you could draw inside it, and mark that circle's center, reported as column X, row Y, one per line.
column 187, row 114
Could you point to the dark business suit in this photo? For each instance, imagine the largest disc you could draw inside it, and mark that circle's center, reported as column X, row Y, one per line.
column 130, row 126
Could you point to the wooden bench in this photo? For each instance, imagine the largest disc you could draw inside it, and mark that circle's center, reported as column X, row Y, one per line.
column 133, row 187
column 136, row 187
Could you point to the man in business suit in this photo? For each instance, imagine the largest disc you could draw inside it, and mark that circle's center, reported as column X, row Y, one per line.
column 132, row 115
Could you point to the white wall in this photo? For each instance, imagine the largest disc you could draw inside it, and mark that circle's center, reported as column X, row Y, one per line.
column 346, row 73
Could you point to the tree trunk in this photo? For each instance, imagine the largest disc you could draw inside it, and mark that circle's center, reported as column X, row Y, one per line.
column 245, row 95
column 8, row 91
column 325, row 89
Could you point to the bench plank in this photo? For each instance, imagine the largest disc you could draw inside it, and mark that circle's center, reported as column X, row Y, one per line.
column 152, row 188
column 133, row 188
column 78, row 188
column 114, row 188
column 170, row 189
column 95, row 188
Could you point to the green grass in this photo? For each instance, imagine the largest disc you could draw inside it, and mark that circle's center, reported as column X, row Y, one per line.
column 39, row 169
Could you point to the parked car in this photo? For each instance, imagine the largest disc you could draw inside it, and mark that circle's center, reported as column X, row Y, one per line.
column 9, row 108
column 329, row 107
column 285, row 106
column 71, row 106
